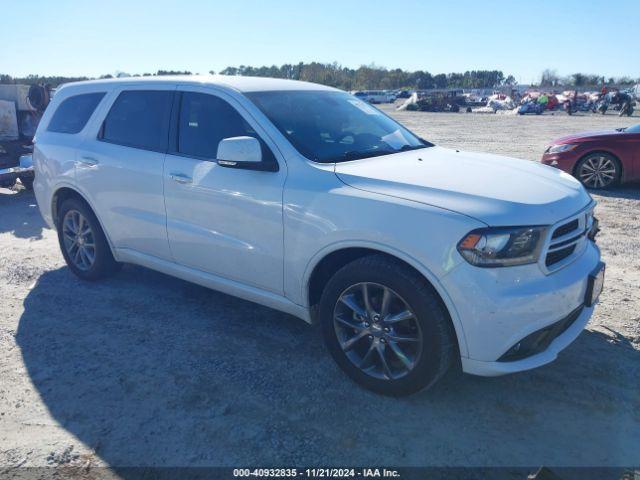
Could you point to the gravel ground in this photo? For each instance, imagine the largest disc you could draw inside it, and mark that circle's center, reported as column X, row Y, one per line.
column 144, row 369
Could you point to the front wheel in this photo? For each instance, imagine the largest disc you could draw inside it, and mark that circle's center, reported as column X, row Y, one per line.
column 385, row 326
column 598, row 171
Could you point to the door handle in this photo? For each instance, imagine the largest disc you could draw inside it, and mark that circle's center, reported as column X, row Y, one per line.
column 180, row 178
column 88, row 161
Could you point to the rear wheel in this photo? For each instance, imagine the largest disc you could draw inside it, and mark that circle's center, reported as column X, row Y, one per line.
column 598, row 170
column 385, row 327
column 83, row 243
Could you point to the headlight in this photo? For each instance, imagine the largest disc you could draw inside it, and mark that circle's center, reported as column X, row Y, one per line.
column 502, row 247
column 567, row 147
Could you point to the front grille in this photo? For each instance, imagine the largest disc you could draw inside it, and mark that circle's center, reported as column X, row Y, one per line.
column 558, row 255
column 540, row 340
column 562, row 230
column 566, row 239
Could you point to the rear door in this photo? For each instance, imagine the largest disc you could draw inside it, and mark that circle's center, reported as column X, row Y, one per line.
column 120, row 166
column 223, row 221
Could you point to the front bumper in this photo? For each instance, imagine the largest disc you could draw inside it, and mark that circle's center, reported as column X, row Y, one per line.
column 498, row 307
column 494, row 369
column 565, row 161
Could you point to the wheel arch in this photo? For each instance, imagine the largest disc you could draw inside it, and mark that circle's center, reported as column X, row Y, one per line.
column 327, row 262
column 65, row 192
column 60, row 195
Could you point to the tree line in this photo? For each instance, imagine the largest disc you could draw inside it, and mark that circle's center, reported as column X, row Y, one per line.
column 364, row 77
column 373, row 77
column 550, row 78
column 332, row 74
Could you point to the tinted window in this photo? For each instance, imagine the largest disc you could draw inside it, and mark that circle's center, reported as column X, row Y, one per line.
column 74, row 112
column 205, row 120
column 139, row 119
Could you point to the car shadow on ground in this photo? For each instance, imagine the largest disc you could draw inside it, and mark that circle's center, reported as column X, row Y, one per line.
column 19, row 214
column 149, row 370
column 629, row 191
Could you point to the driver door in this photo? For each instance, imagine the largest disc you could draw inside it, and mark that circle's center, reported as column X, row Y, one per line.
column 223, row 221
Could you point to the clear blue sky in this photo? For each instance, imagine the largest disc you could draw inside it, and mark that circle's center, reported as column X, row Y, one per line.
column 135, row 36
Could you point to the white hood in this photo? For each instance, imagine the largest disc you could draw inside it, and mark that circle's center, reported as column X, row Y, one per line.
column 498, row 191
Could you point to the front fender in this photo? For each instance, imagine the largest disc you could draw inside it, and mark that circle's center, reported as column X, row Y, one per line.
column 413, row 262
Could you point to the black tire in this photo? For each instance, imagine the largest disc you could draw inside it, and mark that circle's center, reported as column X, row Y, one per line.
column 626, row 110
column 432, row 325
column 27, row 182
column 607, row 179
column 103, row 265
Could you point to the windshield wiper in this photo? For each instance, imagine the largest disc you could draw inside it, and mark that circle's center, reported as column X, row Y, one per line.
column 406, row 148
column 356, row 154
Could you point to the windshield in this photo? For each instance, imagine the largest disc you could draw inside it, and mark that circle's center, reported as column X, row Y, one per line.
column 327, row 126
column 634, row 129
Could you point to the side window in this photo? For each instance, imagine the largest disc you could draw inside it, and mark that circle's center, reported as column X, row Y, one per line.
column 205, row 120
column 73, row 113
column 139, row 118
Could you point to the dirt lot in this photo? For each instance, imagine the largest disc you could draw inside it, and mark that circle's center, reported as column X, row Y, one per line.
column 144, row 369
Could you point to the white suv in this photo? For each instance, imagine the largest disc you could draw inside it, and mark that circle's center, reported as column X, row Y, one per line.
column 310, row 201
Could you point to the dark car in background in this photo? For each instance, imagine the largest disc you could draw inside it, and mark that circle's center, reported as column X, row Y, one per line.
column 598, row 159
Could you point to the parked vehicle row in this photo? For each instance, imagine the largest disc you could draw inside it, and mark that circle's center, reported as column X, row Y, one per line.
column 375, row 96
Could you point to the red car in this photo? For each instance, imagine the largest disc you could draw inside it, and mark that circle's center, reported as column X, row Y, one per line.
column 598, row 159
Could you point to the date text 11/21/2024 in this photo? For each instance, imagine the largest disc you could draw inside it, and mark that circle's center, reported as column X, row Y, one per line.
column 317, row 472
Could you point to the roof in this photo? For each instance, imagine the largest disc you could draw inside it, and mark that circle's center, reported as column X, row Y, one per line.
column 242, row 84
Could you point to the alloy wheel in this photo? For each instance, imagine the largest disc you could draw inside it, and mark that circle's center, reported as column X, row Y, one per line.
column 79, row 241
column 597, row 172
column 377, row 331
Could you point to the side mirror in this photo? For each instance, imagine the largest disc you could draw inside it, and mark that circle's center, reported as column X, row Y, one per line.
column 239, row 152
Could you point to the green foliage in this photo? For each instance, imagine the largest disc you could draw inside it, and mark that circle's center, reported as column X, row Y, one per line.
column 363, row 78
column 372, row 77
column 332, row 74
column 550, row 78
column 56, row 80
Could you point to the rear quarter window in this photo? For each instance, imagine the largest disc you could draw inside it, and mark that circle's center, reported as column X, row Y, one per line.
column 139, row 119
column 73, row 113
